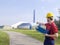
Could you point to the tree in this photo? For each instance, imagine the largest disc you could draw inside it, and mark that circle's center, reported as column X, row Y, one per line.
column 57, row 22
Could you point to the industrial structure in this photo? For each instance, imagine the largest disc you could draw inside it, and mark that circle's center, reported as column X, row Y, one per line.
column 23, row 24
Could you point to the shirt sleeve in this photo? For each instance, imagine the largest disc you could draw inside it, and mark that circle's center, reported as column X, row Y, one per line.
column 55, row 29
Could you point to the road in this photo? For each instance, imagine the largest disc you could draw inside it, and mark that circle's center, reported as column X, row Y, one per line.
column 22, row 39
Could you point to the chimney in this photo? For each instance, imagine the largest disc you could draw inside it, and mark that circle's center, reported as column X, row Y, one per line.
column 33, row 16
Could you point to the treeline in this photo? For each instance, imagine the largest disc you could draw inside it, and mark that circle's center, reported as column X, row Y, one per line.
column 58, row 22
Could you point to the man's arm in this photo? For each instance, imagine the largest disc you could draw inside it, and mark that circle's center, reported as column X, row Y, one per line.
column 54, row 35
column 40, row 23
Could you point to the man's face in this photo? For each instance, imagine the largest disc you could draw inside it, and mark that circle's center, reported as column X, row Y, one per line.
column 48, row 20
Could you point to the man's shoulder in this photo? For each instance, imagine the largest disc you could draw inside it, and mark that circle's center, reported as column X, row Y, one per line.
column 53, row 24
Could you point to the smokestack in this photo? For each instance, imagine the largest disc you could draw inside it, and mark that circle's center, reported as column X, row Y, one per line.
column 33, row 16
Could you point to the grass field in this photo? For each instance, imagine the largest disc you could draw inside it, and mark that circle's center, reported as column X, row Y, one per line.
column 4, row 38
column 36, row 35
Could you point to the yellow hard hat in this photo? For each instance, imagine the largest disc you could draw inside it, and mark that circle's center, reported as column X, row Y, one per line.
column 50, row 14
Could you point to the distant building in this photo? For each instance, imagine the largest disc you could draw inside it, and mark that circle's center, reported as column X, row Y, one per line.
column 7, row 27
column 25, row 26
column 22, row 25
column 1, row 27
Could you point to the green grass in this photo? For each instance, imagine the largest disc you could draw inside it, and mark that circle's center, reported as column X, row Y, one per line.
column 58, row 40
column 4, row 38
column 36, row 35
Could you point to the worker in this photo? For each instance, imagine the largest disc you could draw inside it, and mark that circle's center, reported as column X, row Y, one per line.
column 53, row 30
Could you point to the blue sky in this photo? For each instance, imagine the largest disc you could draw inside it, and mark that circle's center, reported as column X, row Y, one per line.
column 13, row 11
